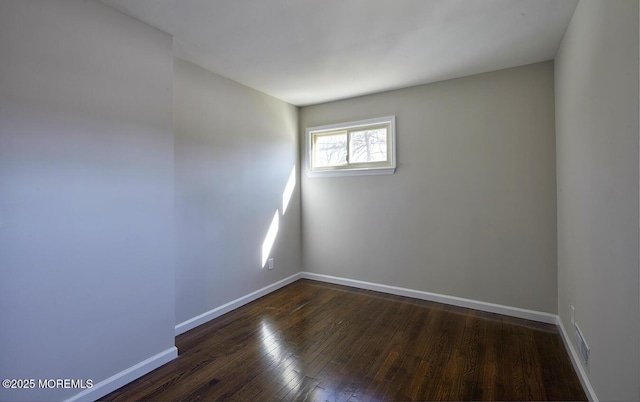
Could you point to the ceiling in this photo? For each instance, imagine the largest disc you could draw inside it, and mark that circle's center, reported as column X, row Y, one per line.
column 312, row 51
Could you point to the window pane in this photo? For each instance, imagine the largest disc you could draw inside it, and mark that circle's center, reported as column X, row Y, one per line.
column 330, row 150
column 368, row 146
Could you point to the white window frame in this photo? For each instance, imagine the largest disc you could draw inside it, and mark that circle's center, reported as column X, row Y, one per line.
column 388, row 167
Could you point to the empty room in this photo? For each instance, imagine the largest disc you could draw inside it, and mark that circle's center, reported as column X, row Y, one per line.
column 337, row 200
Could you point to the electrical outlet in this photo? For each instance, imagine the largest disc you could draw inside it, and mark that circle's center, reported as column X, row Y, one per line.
column 270, row 263
column 573, row 315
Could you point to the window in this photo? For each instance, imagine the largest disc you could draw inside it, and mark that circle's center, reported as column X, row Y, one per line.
column 356, row 148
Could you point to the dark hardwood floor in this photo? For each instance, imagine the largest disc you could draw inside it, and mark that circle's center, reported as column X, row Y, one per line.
column 321, row 342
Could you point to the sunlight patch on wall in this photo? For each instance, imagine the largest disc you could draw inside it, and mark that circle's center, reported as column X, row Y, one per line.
column 288, row 190
column 267, row 245
column 270, row 238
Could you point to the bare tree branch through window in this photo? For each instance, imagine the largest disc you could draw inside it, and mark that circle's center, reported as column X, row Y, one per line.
column 364, row 147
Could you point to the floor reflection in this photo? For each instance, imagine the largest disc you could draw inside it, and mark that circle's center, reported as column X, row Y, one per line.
column 277, row 351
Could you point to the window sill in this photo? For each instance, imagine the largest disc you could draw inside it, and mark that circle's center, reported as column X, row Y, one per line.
column 351, row 172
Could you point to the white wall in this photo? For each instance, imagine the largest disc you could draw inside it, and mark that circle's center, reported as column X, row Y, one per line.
column 470, row 211
column 86, row 194
column 87, row 201
column 234, row 151
column 597, row 177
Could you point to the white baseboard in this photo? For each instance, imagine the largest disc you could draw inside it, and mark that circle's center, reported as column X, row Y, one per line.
column 476, row 305
column 126, row 376
column 132, row 373
column 577, row 363
column 439, row 298
column 232, row 305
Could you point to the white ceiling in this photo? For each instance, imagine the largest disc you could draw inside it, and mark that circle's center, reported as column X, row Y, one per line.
column 311, row 51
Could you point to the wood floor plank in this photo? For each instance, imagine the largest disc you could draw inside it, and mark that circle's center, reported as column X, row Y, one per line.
column 560, row 381
column 451, row 362
column 471, row 356
column 312, row 341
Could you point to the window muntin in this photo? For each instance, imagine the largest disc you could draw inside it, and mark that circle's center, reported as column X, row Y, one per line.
column 356, row 148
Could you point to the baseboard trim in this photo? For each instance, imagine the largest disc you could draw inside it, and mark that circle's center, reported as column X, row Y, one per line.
column 575, row 360
column 476, row 305
column 439, row 298
column 126, row 376
column 132, row 373
column 232, row 305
